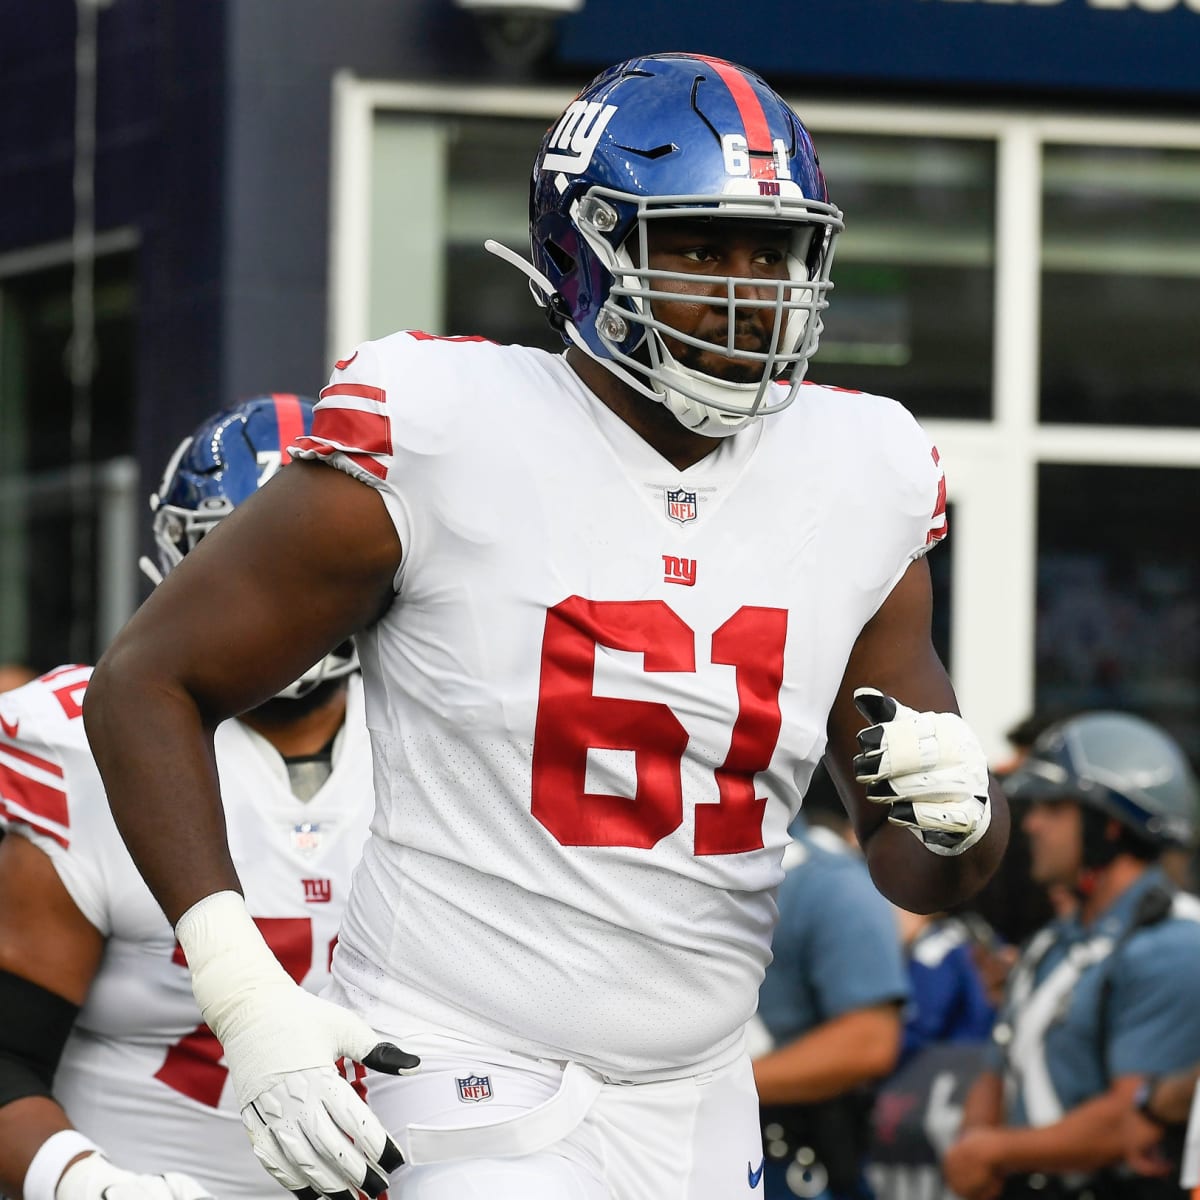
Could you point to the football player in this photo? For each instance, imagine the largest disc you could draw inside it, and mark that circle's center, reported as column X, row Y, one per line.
column 111, row 1083
column 613, row 607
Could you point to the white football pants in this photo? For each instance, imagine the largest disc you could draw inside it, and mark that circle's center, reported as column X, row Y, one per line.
column 477, row 1123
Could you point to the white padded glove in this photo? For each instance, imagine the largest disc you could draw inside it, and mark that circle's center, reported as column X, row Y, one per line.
column 306, row 1124
column 95, row 1178
column 929, row 767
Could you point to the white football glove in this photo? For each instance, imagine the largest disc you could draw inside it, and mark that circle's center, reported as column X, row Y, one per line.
column 929, row 767
column 95, row 1178
column 306, row 1124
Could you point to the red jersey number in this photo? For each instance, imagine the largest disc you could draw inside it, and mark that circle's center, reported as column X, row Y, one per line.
column 194, row 1064
column 571, row 720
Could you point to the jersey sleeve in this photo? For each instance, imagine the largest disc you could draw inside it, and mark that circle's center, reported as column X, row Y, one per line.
column 918, row 480
column 938, row 524
column 892, row 487
column 50, row 789
column 375, row 420
column 394, row 414
column 920, row 491
column 352, row 429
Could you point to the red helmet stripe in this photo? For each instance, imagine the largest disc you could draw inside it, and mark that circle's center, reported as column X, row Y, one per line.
column 290, row 418
column 750, row 109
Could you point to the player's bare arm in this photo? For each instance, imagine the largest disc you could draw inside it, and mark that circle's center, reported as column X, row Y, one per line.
column 299, row 567
column 895, row 655
column 264, row 596
column 49, row 954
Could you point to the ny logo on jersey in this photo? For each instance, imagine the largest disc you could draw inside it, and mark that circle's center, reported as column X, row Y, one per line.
column 317, row 891
column 474, row 1088
column 679, row 570
column 681, row 506
column 577, row 135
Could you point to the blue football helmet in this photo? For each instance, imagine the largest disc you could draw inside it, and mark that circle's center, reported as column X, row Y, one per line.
column 674, row 136
column 223, row 462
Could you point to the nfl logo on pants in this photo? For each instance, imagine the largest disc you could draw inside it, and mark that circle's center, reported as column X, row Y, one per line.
column 474, row 1088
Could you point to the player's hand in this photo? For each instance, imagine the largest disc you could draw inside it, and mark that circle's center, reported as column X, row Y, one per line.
column 306, row 1124
column 928, row 767
column 95, row 1178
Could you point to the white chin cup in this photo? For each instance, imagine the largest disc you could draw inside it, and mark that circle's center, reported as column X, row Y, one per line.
column 685, row 391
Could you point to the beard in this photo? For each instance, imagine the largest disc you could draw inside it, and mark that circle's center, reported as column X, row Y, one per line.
column 750, row 337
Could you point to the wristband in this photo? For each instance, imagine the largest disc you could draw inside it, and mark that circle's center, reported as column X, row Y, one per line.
column 46, row 1169
column 226, row 955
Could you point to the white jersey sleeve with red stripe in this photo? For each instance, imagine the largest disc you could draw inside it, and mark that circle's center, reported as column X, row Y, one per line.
column 352, row 429
column 141, row 1074
column 50, row 790
column 939, row 522
column 351, row 420
column 354, row 423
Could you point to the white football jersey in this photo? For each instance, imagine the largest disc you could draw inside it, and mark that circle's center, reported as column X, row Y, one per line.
column 141, row 1074
column 601, row 694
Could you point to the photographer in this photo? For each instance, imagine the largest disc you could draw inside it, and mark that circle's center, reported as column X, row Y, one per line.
column 1103, row 998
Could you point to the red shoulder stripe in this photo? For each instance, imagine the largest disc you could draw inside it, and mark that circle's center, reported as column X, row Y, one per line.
column 421, row 336
column 939, row 522
column 27, row 802
column 354, row 429
column 43, row 764
column 363, row 391
column 60, row 671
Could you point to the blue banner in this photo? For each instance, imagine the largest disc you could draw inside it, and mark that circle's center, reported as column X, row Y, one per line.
column 1148, row 47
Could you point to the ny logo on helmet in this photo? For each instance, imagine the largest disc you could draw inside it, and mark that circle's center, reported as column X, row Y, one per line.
column 577, row 135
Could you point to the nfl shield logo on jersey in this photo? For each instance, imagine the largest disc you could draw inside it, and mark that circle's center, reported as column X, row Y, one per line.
column 681, row 505
column 306, row 837
column 474, row 1088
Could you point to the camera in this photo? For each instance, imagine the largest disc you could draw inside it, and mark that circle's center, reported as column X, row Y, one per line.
column 518, row 32
column 545, row 8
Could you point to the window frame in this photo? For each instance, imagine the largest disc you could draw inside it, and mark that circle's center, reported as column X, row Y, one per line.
column 992, row 464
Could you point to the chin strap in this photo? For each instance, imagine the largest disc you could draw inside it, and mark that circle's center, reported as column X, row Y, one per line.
column 560, row 318
column 150, row 571
column 543, row 290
